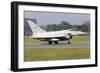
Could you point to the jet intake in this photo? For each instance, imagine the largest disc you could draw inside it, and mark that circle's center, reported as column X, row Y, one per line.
column 70, row 35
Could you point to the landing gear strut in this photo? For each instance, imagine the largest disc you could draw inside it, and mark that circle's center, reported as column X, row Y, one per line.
column 68, row 41
column 56, row 42
column 50, row 42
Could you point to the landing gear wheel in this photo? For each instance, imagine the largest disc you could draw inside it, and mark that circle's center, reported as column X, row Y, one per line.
column 68, row 41
column 50, row 42
column 56, row 42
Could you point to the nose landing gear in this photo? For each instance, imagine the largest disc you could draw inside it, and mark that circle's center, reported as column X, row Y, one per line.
column 68, row 41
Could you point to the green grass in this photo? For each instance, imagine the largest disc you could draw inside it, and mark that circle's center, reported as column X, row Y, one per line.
column 80, row 38
column 55, row 54
column 42, row 54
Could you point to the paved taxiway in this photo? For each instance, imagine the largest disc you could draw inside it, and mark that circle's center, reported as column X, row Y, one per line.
column 61, row 45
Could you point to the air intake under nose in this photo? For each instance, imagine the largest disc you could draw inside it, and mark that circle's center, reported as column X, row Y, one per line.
column 70, row 35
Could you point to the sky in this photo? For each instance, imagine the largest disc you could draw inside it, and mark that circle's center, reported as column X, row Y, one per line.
column 57, row 17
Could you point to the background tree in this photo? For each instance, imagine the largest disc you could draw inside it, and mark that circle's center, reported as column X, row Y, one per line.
column 86, row 27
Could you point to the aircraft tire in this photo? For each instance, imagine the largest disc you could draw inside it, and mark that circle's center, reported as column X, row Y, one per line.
column 56, row 42
column 50, row 42
column 68, row 42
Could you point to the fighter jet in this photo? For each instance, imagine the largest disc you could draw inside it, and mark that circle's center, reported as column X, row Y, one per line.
column 52, row 36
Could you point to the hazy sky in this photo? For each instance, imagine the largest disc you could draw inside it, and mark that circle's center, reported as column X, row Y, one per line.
column 57, row 17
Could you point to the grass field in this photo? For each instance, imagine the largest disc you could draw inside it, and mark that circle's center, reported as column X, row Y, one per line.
column 56, row 54
column 80, row 38
column 44, row 54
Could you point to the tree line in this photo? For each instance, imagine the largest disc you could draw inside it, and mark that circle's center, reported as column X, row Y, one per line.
column 64, row 25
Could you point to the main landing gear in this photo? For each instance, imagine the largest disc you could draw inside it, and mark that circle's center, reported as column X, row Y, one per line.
column 50, row 42
column 56, row 42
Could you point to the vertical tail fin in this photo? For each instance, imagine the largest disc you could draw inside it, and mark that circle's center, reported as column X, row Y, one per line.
column 35, row 28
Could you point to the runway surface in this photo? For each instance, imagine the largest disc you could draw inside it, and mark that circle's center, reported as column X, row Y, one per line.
column 60, row 45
